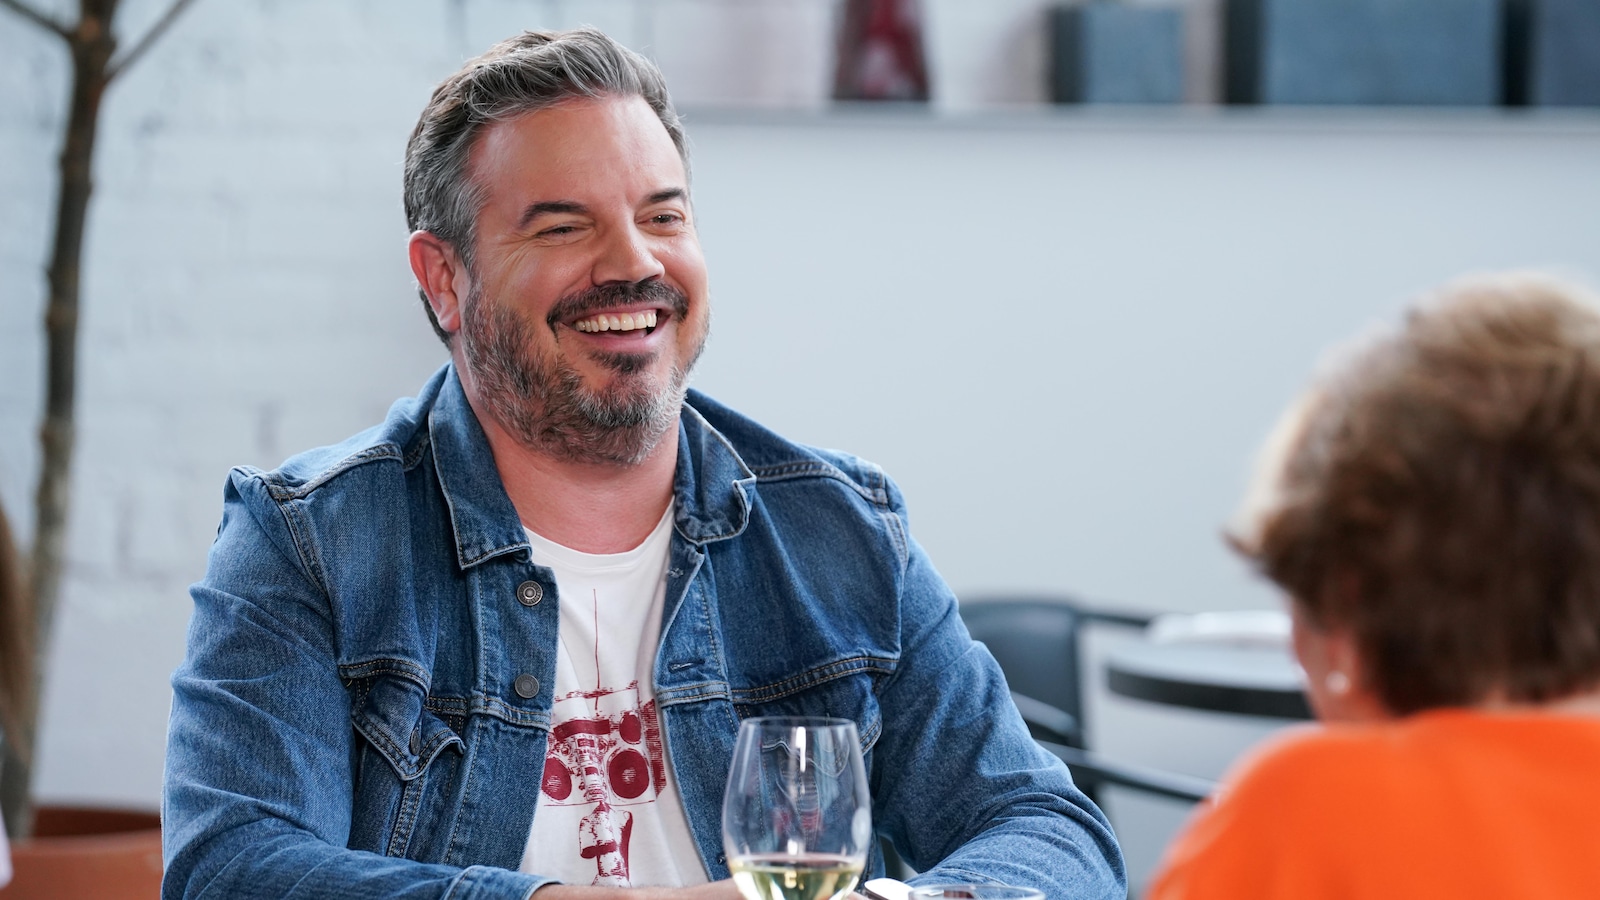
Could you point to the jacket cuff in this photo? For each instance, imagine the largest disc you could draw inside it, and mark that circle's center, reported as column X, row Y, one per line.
column 494, row 883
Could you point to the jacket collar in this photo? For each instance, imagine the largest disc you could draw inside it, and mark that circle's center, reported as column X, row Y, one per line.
column 710, row 488
column 481, row 515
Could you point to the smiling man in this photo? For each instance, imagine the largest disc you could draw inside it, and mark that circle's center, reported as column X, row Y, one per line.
column 500, row 644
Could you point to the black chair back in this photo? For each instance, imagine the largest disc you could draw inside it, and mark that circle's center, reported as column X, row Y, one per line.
column 1038, row 642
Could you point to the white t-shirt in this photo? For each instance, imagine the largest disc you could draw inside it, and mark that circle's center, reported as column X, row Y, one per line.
column 609, row 812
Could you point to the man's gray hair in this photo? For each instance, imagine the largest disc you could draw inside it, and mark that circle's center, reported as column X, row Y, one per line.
column 532, row 71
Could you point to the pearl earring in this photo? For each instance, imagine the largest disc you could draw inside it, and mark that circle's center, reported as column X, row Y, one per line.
column 1337, row 682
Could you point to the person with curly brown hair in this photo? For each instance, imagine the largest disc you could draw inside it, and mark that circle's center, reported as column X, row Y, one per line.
column 1431, row 507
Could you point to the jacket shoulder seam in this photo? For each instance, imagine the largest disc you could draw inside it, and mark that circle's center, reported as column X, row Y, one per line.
column 871, row 490
column 281, row 489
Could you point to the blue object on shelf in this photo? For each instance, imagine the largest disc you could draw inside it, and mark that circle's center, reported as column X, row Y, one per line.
column 1553, row 52
column 1364, row 52
column 1115, row 53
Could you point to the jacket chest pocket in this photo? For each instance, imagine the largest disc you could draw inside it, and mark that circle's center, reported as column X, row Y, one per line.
column 405, row 759
column 849, row 693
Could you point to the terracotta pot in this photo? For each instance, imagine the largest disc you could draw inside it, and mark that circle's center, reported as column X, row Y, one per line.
column 103, row 854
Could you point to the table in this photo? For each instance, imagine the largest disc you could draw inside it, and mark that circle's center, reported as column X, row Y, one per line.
column 1251, row 677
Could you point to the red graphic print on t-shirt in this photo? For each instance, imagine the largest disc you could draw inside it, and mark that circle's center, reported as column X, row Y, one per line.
column 605, row 752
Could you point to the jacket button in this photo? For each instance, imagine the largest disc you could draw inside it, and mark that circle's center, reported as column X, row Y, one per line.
column 416, row 742
column 526, row 686
column 529, row 593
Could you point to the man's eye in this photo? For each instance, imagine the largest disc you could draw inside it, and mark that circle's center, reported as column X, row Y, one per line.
column 666, row 219
column 559, row 233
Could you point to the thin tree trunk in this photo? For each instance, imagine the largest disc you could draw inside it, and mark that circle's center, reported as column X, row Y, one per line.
column 92, row 44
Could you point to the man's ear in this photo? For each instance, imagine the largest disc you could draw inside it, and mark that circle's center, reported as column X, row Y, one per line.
column 439, row 271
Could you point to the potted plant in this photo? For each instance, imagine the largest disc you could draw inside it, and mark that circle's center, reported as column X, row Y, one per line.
column 32, row 585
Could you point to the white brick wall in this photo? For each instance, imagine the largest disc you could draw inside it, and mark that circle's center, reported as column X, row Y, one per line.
column 245, row 225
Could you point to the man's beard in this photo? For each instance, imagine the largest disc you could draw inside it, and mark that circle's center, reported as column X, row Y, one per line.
column 542, row 401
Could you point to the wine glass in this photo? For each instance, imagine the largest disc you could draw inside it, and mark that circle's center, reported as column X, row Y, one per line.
column 796, row 818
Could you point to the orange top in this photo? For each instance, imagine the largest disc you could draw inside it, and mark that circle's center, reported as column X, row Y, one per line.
column 1451, row 803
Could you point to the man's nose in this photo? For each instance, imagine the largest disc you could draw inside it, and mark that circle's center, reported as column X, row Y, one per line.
column 627, row 256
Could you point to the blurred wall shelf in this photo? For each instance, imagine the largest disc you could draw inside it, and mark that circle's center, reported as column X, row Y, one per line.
column 1553, row 52
column 1186, row 118
column 1110, row 52
column 1363, row 52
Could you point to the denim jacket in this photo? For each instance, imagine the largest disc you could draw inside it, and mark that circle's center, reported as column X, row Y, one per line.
column 364, row 703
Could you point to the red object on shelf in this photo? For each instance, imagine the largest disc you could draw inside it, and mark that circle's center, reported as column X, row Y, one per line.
column 880, row 52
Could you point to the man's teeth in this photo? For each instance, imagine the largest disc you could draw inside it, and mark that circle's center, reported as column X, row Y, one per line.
column 622, row 322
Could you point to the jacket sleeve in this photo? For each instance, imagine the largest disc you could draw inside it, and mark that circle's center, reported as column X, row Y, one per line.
column 258, row 787
column 958, row 783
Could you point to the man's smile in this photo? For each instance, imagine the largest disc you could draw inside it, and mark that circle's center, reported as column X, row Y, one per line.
column 621, row 315
column 627, row 321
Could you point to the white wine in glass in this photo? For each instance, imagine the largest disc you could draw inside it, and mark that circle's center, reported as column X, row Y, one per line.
column 796, row 818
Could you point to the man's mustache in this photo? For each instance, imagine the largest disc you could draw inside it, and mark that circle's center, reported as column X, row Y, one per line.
column 653, row 291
